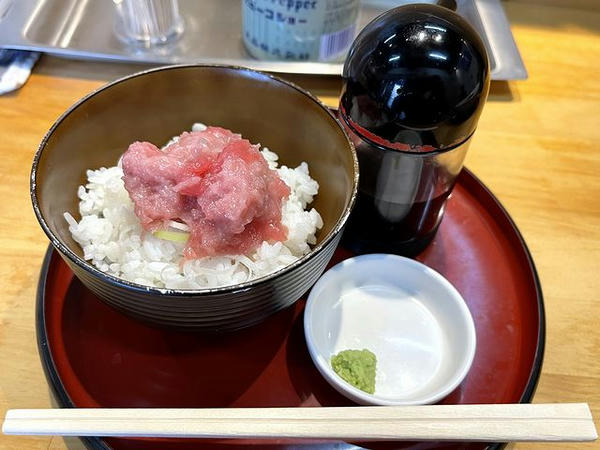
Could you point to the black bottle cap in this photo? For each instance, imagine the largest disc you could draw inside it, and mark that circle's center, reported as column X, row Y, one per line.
column 416, row 79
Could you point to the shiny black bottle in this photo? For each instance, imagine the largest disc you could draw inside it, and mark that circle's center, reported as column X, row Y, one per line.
column 415, row 82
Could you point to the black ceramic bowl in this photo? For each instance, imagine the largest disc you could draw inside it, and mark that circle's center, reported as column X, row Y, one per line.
column 160, row 103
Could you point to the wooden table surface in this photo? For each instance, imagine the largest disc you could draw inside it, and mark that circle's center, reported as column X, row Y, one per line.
column 537, row 148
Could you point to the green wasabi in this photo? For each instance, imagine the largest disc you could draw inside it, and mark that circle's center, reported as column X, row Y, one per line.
column 357, row 367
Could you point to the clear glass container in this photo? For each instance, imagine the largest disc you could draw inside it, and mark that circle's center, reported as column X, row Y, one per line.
column 401, row 198
column 148, row 22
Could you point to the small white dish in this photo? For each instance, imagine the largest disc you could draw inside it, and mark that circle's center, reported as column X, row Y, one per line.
column 413, row 320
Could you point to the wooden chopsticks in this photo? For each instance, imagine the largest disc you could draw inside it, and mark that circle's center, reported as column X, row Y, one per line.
column 489, row 423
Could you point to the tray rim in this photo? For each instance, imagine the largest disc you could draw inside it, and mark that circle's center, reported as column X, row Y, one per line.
column 64, row 400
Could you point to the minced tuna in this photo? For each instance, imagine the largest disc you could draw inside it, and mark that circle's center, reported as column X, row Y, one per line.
column 215, row 182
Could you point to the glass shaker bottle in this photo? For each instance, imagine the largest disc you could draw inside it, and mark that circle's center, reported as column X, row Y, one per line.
column 415, row 82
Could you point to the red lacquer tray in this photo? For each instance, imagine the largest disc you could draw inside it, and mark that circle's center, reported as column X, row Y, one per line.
column 94, row 356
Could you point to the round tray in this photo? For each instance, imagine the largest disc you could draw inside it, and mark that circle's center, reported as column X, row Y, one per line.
column 95, row 357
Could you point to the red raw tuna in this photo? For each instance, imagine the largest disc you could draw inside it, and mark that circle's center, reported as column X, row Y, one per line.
column 214, row 181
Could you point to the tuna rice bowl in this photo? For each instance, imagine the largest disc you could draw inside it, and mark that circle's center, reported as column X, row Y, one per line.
column 208, row 209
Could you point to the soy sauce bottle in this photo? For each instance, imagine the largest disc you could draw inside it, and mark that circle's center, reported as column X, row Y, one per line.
column 415, row 82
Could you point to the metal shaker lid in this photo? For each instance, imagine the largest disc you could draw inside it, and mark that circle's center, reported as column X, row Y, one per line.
column 416, row 79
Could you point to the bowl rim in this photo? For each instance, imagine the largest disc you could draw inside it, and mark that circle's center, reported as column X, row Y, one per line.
column 360, row 396
column 186, row 293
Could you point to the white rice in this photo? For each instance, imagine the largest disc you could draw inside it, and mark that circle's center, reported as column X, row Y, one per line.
column 113, row 240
